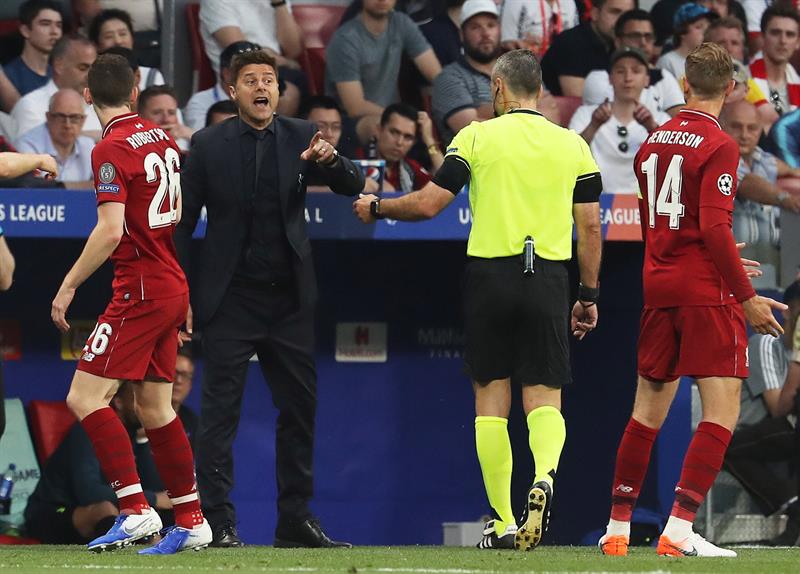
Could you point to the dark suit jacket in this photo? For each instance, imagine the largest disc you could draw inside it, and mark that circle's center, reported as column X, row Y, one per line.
column 212, row 177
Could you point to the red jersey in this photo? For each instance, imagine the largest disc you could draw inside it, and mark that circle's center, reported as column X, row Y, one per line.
column 686, row 164
column 137, row 163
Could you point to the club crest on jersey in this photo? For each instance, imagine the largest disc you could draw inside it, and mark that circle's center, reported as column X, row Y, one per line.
column 725, row 183
column 107, row 173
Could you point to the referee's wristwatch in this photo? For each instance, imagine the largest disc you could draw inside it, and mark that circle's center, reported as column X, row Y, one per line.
column 375, row 209
column 588, row 295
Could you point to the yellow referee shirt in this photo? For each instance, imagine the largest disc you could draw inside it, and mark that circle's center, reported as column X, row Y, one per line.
column 524, row 170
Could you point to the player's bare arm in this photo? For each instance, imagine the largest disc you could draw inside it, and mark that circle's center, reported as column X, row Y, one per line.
column 101, row 244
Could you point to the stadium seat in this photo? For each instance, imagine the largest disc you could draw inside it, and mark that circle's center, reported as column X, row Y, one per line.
column 50, row 422
column 567, row 106
column 313, row 63
column 201, row 66
column 317, row 22
column 8, row 26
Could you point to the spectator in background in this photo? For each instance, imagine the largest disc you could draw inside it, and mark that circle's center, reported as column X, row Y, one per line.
column 324, row 112
column 663, row 13
column 9, row 95
column 534, row 25
column 181, row 387
column 198, row 104
column 146, row 17
column 777, row 78
column 728, row 33
column 363, row 62
column 785, row 136
column 758, row 198
column 115, row 28
column 690, row 24
column 73, row 502
column 268, row 24
column 41, row 23
column 159, row 104
column 616, row 130
column 71, row 58
column 462, row 92
column 634, row 29
column 755, row 11
column 443, row 32
column 579, row 50
column 395, row 136
column 764, row 435
column 60, row 136
column 220, row 111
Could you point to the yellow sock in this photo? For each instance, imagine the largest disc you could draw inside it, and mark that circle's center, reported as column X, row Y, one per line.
column 494, row 454
column 546, row 435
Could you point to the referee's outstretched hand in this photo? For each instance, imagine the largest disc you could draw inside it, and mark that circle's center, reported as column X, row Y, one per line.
column 584, row 319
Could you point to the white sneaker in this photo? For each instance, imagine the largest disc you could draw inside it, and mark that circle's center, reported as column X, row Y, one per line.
column 127, row 529
column 692, row 545
column 178, row 539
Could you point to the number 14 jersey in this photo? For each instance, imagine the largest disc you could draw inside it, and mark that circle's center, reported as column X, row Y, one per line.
column 686, row 165
column 137, row 163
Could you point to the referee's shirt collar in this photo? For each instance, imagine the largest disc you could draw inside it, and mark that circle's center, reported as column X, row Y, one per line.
column 525, row 111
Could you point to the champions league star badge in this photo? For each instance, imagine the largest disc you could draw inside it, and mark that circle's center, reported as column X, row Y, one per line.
column 725, row 183
column 107, row 173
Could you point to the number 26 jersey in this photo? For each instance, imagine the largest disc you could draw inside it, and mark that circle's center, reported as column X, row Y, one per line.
column 686, row 165
column 137, row 163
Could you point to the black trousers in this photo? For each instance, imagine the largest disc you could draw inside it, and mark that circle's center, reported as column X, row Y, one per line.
column 267, row 323
column 749, row 457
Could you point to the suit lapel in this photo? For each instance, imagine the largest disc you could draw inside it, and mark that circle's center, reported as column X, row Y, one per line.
column 233, row 163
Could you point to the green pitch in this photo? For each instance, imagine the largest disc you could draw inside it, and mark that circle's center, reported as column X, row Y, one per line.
column 387, row 560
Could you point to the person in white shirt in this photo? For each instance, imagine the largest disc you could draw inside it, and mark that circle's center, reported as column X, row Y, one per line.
column 533, row 24
column 197, row 106
column 268, row 24
column 114, row 27
column 635, row 29
column 690, row 23
column 60, row 137
column 616, row 130
column 72, row 57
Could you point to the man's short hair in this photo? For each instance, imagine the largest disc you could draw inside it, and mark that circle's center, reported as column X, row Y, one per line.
column 125, row 53
column 63, row 44
column 636, row 14
column 152, row 92
column 401, row 109
column 521, row 72
column 727, row 23
column 221, row 107
column 243, row 59
column 110, row 81
column 778, row 10
column 28, row 11
column 792, row 293
column 709, row 70
column 105, row 16
column 314, row 102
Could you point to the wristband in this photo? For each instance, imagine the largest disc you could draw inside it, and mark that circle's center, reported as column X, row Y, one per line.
column 434, row 148
column 588, row 294
column 375, row 209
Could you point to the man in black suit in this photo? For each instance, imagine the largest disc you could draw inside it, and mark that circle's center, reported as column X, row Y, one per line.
column 255, row 290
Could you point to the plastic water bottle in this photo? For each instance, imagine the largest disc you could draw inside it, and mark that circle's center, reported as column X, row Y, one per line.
column 372, row 148
column 6, row 486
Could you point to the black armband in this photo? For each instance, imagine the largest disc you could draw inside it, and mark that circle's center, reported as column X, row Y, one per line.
column 587, row 188
column 588, row 294
column 453, row 175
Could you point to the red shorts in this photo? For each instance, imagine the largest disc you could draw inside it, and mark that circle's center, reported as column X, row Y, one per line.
column 136, row 340
column 693, row 341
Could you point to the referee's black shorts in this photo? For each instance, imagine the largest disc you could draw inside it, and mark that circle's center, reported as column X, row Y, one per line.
column 517, row 326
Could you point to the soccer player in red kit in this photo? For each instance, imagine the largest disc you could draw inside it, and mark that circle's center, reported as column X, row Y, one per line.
column 137, row 182
column 696, row 298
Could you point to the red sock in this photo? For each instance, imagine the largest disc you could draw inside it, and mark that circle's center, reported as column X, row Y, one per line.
column 173, row 457
column 633, row 457
column 112, row 445
column 700, row 468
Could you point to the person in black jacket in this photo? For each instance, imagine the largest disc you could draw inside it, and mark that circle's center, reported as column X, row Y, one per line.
column 255, row 289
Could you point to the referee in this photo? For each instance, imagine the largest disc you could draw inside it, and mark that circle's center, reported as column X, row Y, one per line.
column 528, row 180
